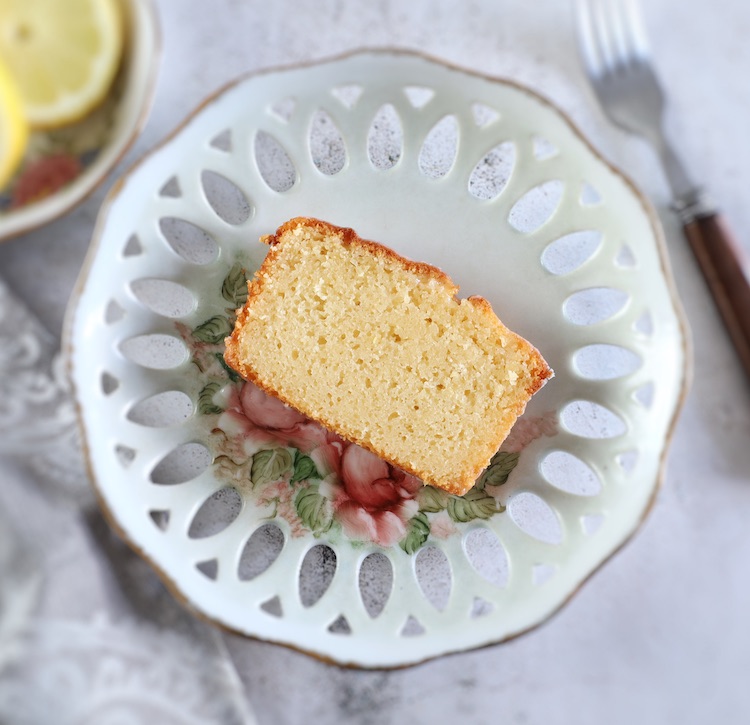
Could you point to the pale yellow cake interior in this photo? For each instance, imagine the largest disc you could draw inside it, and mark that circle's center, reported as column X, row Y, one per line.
column 382, row 352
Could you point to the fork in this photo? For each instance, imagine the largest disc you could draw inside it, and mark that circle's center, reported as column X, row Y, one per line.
column 617, row 60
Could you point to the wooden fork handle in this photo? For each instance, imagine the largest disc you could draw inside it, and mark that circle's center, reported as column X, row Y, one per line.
column 727, row 272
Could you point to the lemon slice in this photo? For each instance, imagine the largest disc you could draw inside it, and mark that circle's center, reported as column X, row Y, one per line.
column 63, row 55
column 14, row 130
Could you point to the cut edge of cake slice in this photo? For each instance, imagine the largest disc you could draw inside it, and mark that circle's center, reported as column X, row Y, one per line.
column 461, row 477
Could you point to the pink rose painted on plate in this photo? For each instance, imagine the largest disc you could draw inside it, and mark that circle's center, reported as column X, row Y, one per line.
column 263, row 419
column 375, row 501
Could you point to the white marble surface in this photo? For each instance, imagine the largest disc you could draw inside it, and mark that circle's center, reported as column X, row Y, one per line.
column 661, row 633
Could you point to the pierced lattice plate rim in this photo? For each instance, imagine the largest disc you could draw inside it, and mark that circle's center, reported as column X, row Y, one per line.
column 256, row 520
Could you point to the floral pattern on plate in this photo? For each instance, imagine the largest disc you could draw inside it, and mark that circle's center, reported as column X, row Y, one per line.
column 314, row 479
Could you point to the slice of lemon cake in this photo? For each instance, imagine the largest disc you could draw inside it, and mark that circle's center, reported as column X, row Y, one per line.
column 379, row 350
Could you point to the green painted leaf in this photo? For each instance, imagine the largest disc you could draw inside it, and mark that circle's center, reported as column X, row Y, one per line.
column 206, row 405
column 233, row 376
column 416, row 534
column 270, row 465
column 431, row 499
column 314, row 509
column 234, row 288
column 501, row 466
column 476, row 504
column 213, row 330
column 304, row 468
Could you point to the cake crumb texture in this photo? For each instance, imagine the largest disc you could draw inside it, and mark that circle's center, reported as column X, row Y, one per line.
column 378, row 349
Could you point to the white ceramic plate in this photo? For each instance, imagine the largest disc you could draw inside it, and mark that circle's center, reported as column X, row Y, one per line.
column 252, row 514
column 63, row 166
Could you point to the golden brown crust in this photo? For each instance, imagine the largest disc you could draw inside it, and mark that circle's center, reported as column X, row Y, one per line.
column 349, row 238
column 461, row 484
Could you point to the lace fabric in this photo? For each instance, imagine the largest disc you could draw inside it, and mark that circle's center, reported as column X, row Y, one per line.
column 103, row 671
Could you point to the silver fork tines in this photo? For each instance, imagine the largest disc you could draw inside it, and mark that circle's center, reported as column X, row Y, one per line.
column 619, row 30
column 616, row 55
